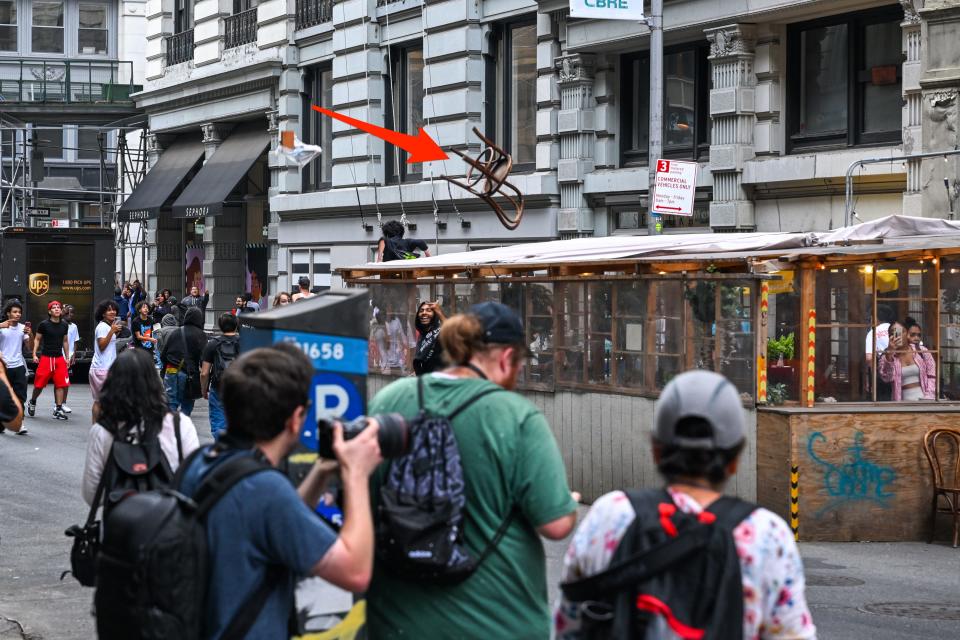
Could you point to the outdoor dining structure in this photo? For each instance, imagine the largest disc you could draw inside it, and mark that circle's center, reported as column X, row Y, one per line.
column 792, row 319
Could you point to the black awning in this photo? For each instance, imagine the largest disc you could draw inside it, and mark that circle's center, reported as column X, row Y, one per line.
column 224, row 170
column 163, row 179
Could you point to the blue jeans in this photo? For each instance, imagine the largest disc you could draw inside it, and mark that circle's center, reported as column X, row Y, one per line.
column 218, row 421
column 176, row 386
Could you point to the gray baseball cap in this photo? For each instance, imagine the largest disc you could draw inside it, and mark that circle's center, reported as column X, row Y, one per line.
column 700, row 394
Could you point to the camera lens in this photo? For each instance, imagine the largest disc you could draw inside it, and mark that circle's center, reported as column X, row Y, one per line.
column 392, row 435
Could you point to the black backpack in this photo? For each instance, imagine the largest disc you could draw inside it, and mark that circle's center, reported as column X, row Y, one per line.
column 136, row 468
column 226, row 351
column 419, row 530
column 672, row 572
column 153, row 571
column 130, row 468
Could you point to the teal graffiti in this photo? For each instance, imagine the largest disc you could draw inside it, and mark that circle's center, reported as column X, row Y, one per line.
column 855, row 479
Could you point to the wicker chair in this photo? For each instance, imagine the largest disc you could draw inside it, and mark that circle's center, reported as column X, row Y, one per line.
column 942, row 448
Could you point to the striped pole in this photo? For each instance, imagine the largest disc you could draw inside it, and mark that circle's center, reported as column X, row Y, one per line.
column 795, row 502
column 762, row 351
column 811, row 355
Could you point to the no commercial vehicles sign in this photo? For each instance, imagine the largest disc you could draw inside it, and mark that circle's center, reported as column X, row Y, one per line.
column 674, row 189
column 607, row 9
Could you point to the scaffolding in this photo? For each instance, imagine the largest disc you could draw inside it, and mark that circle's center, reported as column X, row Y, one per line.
column 119, row 166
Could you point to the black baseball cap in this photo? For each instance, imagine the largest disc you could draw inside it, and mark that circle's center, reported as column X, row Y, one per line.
column 501, row 325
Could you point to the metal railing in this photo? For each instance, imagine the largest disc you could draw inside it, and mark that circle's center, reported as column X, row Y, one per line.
column 180, row 47
column 66, row 81
column 240, row 28
column 313, row 12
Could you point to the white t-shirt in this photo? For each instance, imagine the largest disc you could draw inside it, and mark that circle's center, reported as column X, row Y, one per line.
column 100, row 441
column 73, row 336
column 883, row 338
column 11, row 346
column 102, row 360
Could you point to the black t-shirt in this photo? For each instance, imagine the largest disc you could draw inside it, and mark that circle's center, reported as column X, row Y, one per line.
column 53, row 334
column 394, row 248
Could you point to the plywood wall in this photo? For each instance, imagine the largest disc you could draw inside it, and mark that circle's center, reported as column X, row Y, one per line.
column 863, row 476
column 605, row 440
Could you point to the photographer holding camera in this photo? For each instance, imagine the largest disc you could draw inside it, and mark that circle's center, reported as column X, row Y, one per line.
column 262, row 524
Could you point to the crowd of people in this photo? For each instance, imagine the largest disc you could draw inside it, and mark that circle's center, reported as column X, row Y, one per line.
column 262, row 533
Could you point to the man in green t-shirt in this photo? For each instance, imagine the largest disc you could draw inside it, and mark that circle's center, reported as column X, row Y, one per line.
column 510, row 462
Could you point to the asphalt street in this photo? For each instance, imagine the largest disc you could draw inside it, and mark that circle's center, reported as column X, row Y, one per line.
column 876, row 591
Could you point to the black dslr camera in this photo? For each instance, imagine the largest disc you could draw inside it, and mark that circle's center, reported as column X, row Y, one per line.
column 393, row 435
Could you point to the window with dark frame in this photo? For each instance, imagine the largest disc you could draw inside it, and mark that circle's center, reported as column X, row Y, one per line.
column 183, row 15
column 632, row 218
column 686, row 108
column 8, row 25
column 844, row 80
column 318, row 128
column 88, row 146
column 312, row 263
column 48, row 139
column 403, row 108
column 511, row 92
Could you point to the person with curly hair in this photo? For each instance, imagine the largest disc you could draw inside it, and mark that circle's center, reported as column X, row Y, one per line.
column 104, row 344
column 133, row 409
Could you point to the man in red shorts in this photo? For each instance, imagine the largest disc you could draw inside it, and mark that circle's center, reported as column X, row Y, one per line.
column 51, row 339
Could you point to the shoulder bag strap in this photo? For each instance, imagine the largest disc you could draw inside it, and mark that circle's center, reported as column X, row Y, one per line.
column 469, row 402
column 219, row 481
column 497, row 537
column 248, row 613
column 730, row 511
column 420, row 384
column 640, row 566
column 101, row 487
column 176, row 432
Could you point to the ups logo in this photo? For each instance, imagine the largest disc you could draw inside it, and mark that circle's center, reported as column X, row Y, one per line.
column 39, row 284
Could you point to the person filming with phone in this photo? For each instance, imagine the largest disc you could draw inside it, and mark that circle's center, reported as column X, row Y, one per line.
column 109, row 325
column 907, row 365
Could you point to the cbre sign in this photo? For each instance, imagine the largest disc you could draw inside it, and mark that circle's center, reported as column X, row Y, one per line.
column 607, row 9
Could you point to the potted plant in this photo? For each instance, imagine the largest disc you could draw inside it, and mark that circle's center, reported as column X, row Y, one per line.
column 780, row 349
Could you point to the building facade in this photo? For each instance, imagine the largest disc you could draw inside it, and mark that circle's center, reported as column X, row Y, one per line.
column 773, row 99
column 68, row 69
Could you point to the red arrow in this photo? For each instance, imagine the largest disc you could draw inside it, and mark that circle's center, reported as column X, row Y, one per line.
column 670, row 208
column 421, row 147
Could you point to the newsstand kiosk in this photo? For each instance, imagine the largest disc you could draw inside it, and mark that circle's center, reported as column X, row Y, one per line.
column 330, row 328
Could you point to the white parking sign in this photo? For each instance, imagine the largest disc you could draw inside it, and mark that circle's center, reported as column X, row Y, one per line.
column 673, row 192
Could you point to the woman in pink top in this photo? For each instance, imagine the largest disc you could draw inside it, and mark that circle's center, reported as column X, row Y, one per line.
column 907, row 365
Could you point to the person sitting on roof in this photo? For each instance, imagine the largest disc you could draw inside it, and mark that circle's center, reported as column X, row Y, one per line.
column 393, row 246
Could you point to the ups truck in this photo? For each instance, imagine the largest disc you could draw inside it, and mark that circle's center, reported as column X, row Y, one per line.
column 73, row 266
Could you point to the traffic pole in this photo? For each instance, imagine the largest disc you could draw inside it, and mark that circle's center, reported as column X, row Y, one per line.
column 655, row 150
